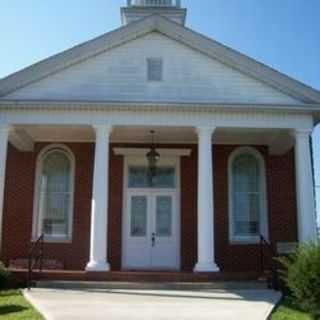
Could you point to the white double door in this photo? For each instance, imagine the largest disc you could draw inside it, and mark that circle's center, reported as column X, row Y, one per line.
column 151, row 230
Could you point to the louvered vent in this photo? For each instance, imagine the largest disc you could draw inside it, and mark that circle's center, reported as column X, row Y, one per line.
column 154, row 67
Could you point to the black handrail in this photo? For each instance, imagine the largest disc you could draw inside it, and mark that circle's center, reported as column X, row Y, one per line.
column 35, row 258
column 268, row 259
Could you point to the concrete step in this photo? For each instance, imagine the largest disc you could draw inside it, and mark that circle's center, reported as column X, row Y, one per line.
column 136, row 276
column 119, row 285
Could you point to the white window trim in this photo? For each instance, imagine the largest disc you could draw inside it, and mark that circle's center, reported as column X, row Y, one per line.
column 152, row 81
column 36, row 232
column 263, row 203
column 139, row 159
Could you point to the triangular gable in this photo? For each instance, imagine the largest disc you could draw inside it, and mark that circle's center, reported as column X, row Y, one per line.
column 120, row 74
column 156, row 23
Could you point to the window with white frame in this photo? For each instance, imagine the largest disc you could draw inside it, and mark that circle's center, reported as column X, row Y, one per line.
column 247, row 196
column 54, row 194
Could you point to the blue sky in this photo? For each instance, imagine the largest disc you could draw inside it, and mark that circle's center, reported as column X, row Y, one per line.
column 281, row 33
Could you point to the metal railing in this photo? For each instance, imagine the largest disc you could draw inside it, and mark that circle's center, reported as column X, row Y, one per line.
column 267, row 262
column 35, row 259
column 154, row 3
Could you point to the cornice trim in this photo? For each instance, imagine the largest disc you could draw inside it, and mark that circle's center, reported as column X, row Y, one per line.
column 144, row 151
column 13, row 105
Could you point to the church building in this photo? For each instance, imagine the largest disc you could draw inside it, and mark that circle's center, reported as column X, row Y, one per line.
column 154, row 149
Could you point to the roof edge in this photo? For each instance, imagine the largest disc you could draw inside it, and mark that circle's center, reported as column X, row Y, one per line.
column 74, row 55
column 188, row 37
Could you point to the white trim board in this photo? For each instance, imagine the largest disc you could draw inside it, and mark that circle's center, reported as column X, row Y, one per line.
column 36, row 229
column 138, row 160
column 170, row 106
column 264, row 213
column 144, row 151
column 252, row 119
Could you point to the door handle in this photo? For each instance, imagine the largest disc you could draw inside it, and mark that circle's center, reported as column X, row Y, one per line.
column 153, row 239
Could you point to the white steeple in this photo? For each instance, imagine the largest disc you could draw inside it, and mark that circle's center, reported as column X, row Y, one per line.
column 139, row 9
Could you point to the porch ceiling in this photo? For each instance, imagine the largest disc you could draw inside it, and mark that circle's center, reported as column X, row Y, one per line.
column 23, row 137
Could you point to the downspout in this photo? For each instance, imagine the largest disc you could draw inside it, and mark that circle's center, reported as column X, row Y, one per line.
column 314, row 182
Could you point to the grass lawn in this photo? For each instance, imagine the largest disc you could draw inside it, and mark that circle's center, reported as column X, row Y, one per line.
column 288, row 311
column 13, row 306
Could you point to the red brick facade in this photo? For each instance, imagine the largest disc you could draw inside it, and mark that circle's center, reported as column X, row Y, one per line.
column 280, row 178
column 19, row 193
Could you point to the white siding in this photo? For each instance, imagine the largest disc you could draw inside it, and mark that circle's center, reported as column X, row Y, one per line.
column 121, row 75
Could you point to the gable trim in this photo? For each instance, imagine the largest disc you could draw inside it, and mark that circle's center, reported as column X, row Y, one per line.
column 75, row 55
column 174, row 31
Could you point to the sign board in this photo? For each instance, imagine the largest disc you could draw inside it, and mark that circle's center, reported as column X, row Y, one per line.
column 286, row 247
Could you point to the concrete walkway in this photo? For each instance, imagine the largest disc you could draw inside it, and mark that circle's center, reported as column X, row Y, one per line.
column 58, row 304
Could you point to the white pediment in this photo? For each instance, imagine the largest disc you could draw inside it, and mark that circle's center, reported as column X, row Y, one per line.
column 119, row 74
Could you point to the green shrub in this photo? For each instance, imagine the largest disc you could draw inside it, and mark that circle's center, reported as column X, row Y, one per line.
column 301, row 274
column 4, row 277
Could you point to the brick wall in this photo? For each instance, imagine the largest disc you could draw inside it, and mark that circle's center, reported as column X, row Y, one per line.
column 115, row 211
column 282, row 222
column 189, row 210
column 18, row 207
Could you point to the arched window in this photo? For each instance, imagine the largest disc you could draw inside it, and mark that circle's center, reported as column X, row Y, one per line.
column 54, row 194
column 247, row 195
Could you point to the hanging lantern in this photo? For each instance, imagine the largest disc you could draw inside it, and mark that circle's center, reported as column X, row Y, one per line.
column 153, row 157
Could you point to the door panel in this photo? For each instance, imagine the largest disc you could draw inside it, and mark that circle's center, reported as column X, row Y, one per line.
column 138, row 216
column 137, row 231
column 165, row 249
column 163, row 223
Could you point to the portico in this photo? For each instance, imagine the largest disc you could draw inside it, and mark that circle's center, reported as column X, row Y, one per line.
column 195, row 141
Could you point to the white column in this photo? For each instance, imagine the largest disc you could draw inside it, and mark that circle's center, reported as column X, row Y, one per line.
column 304, row 187
column 4, row 133
column 205, row 261
column 99, row 207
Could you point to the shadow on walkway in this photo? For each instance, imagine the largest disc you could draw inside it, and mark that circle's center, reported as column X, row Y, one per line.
column 11, row 308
